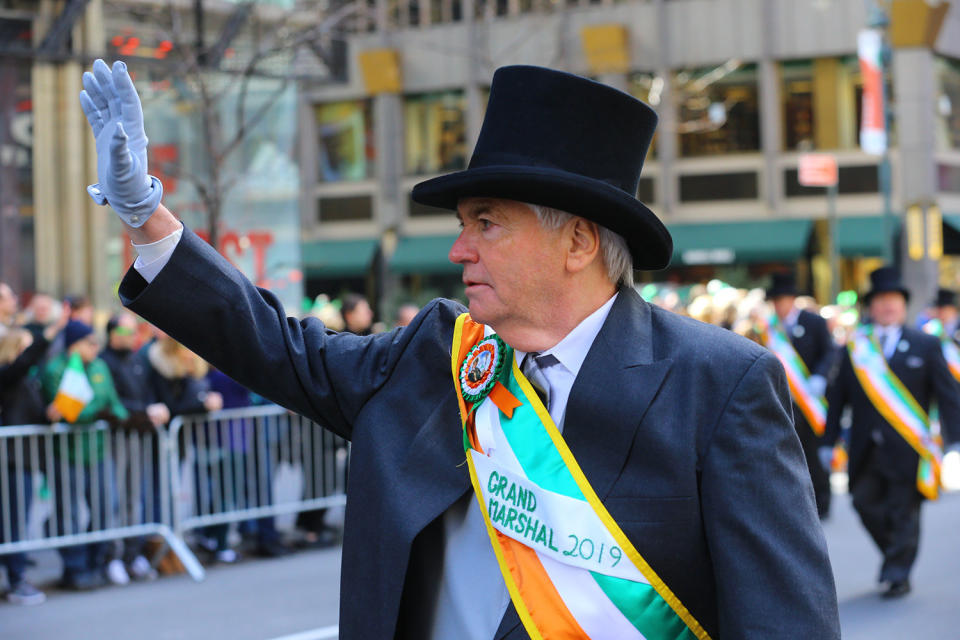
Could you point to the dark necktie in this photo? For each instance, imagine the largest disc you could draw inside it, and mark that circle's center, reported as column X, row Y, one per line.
column 532, row 367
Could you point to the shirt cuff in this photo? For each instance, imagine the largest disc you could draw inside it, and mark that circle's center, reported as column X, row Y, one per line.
column 153, row 257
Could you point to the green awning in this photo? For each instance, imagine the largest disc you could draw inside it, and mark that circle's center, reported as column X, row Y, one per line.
column 739, row 242
column 424, row 254
column 862, row 236
column 338, row 258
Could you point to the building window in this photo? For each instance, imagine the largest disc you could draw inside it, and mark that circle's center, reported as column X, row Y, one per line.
column 948, row 104
column 345, row 147
column 718, row 110
column 435, row 132
column 798, row 112
column 851, row 180
column 719, row 186
column 345, row 208
column 948, row 178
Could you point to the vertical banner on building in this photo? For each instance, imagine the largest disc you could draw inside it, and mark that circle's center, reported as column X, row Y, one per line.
column 873, row 131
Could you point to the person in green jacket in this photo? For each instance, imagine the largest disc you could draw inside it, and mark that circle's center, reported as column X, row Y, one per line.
column 81, row 455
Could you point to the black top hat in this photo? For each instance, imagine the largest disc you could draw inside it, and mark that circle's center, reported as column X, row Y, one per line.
column 883, row 280
column 784, row 284
column 945, row 298
column 558, row 140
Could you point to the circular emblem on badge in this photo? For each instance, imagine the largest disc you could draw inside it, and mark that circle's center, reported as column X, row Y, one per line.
column 798, row 331
column 481, row 368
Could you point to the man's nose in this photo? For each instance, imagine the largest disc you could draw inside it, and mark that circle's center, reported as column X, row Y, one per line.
column 462, row 250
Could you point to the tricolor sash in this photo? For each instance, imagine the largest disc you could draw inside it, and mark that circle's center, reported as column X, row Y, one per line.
column 951, row 353
column 897, row 405
column 570, row 570
column 813, row 406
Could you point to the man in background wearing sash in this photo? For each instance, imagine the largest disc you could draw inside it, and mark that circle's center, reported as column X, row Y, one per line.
column 890, row 396
column 676, row 435
column 810, row 338
column 944, row 310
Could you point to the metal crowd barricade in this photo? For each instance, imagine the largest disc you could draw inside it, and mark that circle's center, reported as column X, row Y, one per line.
column 94, row 483
column 231, row 459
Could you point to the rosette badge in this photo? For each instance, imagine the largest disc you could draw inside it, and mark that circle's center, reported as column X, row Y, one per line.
column 481, row 368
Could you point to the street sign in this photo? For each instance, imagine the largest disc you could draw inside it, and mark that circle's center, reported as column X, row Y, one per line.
column 817, row 170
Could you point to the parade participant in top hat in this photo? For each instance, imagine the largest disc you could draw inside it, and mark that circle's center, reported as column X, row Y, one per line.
column 888, row 377
column 564, row 460
column 802, row 342
column 944, row 311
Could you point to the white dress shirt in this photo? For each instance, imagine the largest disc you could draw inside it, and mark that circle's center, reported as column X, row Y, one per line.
column 472, row 596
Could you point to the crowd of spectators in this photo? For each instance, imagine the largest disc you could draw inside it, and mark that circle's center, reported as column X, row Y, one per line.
column 140, row 379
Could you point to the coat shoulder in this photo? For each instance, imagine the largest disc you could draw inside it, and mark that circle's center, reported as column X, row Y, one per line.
column 694, row 342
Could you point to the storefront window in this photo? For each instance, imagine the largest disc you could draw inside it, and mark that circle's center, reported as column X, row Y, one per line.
column 435, row 132
column 718, row 110
column 948, row 104
column 345, row 141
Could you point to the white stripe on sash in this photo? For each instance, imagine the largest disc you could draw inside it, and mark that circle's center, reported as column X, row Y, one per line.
column 589, row 605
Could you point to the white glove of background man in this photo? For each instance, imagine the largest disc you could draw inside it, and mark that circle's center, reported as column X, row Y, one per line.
column 112, row 107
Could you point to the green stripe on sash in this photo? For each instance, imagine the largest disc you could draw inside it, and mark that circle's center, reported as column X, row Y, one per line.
column 644, row 608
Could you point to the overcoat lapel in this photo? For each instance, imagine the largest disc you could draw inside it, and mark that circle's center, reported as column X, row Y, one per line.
column 614, row 388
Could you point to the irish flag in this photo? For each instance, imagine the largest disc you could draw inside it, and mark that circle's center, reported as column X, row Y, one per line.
column 75, row 391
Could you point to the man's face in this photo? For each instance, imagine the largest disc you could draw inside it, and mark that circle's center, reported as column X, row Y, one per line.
column 783, row 305
column 888, row 308
column 124, row 334
column 8, row 301
column 512, row 265
column 946, row 314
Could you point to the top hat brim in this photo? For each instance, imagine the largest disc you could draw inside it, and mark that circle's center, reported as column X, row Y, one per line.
column 650, row 244
column 776, row 292
column 901, row 290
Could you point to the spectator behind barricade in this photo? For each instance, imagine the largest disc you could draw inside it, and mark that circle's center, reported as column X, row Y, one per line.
column 41, row 313
column 239, row 452
column 84, row 566
column 405, row 314
column 8, row 308
column 328, row 312
column 178, row 379
column 21, row 403
column 130, row 372
column 357, row 314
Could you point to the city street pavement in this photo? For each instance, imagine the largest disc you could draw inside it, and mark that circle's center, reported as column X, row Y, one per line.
column 931, row 610
column 296, row 597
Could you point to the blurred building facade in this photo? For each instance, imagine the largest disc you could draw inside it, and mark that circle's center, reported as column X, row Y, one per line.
column 742, row 87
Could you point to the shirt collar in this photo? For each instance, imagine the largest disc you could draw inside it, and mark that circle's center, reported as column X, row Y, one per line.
column 791, row 318
column 573, row 349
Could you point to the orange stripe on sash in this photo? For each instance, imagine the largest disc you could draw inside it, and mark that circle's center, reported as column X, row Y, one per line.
column 546, row 607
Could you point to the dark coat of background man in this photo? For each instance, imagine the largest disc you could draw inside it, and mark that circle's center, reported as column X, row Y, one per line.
column 683, row 430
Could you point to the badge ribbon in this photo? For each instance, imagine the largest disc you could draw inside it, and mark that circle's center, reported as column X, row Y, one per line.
column 570, row 570
column 897, row 405
column 813, row 407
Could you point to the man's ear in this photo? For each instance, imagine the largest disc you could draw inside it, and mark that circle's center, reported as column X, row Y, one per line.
column 584, row 243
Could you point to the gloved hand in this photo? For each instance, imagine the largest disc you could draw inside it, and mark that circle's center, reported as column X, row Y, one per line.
column 817, row 384
column 825, row 454
column 112, row 107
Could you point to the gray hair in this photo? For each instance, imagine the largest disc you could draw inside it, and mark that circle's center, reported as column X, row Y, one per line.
column 613, row 246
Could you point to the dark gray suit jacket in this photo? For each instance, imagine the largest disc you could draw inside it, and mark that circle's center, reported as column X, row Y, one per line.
column 684, row 430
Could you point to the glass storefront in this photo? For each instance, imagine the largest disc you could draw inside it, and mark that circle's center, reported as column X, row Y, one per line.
column 345, row 147
column 796, row 77
column 435, row 132
column 718, row 110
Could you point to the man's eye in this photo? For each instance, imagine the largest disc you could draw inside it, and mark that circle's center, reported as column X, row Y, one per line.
column 484, row 223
